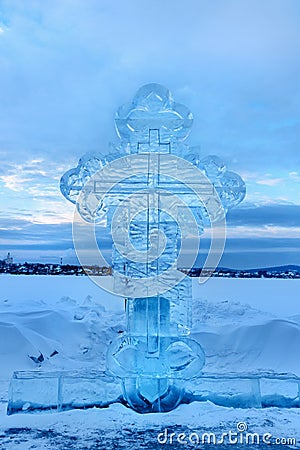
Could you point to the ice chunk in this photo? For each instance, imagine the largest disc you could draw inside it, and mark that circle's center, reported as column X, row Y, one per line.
column 60, row 391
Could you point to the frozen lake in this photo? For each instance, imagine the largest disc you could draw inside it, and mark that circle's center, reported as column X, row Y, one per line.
column 279, row 296
column 241, row 323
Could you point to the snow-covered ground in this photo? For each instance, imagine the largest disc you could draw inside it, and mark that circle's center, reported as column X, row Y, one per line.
column 242, row 324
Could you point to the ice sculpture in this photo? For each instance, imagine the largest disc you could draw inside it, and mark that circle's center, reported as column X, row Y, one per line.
column 153, row 193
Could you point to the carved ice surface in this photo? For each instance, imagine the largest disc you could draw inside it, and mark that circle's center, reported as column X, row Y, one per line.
column 149, row 203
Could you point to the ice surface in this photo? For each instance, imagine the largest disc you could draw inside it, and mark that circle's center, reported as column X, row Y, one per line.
column 117, row 426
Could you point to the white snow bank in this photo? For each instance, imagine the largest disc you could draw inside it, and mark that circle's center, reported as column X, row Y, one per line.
column 36, row 320
column 70, row 335
column 271, row 345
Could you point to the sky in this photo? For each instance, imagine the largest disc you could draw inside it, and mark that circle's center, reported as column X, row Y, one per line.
column 66, row 66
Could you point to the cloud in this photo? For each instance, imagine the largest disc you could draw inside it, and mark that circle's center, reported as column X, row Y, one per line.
column 286, row 216
column 294, row 176
column 270, row 181
column 22, row 175
column 20, row 233
column 67, row 65
column 279, row 186
column 256, row 252
column 265, row 232
column 34, row 185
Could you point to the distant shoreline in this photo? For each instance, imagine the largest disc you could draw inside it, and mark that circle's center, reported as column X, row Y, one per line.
column 286, row 272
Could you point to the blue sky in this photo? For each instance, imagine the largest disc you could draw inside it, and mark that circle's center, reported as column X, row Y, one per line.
column 66, row 65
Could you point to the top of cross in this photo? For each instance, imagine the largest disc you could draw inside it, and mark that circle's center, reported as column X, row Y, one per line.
column 153, row 123
column 154, row 109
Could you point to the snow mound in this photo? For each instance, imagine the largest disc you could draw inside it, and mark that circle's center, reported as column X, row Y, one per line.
column 272, row 345
column 207, row 314
column 48, row 339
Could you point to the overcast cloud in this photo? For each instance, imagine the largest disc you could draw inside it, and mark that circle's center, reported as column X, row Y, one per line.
column 66, row 65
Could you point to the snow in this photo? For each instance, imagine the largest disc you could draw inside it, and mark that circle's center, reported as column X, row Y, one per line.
column 277, row 296
column 239, row 328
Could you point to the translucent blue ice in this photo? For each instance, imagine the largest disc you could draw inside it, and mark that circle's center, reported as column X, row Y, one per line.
column 33, row 392
column 151, row 210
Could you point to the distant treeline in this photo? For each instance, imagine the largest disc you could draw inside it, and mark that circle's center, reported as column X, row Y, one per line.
column 272, row 272
column 68, row 269
column 52, row 269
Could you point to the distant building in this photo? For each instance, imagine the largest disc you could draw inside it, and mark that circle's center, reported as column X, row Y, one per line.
column 8, row 260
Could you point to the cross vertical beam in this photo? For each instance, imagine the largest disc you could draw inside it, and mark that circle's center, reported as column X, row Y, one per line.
column 154, row 143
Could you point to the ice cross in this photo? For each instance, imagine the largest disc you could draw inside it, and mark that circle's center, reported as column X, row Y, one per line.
column 148, row 195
